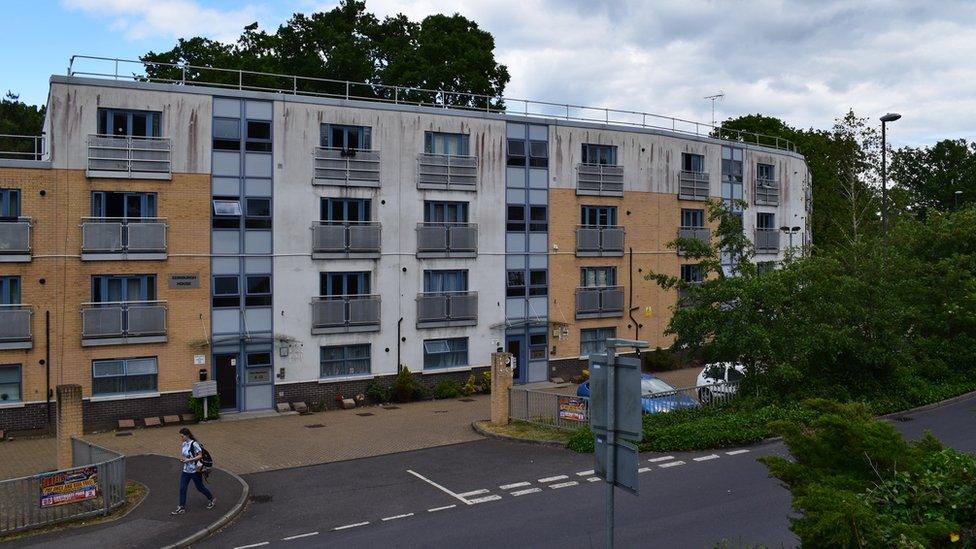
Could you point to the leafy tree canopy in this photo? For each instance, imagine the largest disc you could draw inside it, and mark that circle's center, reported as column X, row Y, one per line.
column 927, row 178
column 18, row 118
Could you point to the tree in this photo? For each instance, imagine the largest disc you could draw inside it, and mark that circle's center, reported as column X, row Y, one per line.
column 18, row 118
column 928, row 177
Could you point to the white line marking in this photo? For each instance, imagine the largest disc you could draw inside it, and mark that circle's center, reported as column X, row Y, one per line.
column 439, row 487
column 394, row 517
column 586, row 473
column 529, row 491
column 735, row 452
column 474, row 493
column 553, row 479
column 664, row 458
column 289, row 538
column 515, row 485
column 671, row 464
column 351, row 525
column 436, row 509
column 485, row 499
column 706, row 458
column 643, row 469
column 593, row 479
column 252, row 545
column 563, row 484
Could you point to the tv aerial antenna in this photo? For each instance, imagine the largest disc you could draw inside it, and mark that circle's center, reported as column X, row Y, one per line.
column 717, row 97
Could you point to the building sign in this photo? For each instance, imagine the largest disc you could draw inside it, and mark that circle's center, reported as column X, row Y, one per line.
column 69, row 486
column 199, row 360
column 184, row 281
column 572, row 408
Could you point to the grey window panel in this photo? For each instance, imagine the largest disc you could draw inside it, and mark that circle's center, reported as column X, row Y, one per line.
column 539, row 133
column 226, row 265
column 226, row 321
column 515, row 131
column 257, row 187
column 539, row 306
column 538, row 261
column 514, row 262
column 257, row 265
column 226, row 242
column 514, row 307
column 257, row 242
column 257, row 164
column 514, row 243
column 538, row 243
column 538, row 197
column 515, row 196
column 258, row 320
column 514, row 177
column 226, row 186
column 538, row 178
column 227, row 129
column 259, row 110
column 230, row 108
column 226, row 163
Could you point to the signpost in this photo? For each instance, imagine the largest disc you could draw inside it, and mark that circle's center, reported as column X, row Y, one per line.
column 615, row 410
column 205, row 389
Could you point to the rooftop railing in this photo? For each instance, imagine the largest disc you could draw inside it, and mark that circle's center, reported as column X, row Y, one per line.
column 21, row 147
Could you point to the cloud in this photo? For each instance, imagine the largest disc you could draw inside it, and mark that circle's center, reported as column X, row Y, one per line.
column 140, row 19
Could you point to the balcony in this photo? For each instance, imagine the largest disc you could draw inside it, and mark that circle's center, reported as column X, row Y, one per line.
column 766, row 192
column 123, row 322
column 15, row 240
column 599, row 302
column 336, row 314
column 129, row 157
column 767, row 241
column 700, row 233
column 447, row 172
column 345, row 167
column 447, row 240
column 599, row 241
column 599, row 180
column 685, row 295
column 693, row 185
column 346, row 239
column 15, row 326
column 115, row 238
column 439, row 309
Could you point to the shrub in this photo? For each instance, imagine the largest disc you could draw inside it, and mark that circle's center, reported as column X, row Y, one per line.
column 213, row 407
column 406, row 387
column 486, row 381
column 659, row 360
column 378, row 392
column 582, row 441
column 447, row 389
column 469, row 388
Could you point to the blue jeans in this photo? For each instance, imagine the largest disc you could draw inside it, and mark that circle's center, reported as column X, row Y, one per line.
column 197, row 481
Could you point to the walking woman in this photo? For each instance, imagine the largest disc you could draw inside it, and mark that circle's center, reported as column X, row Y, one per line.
column 191, row 455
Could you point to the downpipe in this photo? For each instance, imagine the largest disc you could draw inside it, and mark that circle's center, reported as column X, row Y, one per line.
column 631, row 288
column 399, row 364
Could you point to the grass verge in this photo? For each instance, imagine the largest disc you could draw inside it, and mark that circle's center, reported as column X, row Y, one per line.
column 522, row 430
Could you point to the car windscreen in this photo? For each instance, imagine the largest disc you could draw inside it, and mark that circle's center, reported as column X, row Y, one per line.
column 654, row 385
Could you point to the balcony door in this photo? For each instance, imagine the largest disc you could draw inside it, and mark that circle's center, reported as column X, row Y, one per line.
column 9, row 203
column 113, row 289
column 598, row 216
column 345, row 210
column 598, row 277
column 345, row 137
column 339, row 284
column 445, row 212
column 445, row 281
column 123, row 205
column 126, row 123
column 9, row 290
column 455, row 144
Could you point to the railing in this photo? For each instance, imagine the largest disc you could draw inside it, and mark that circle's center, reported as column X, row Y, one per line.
column 129, row 157
column 122, row 319
column 346, row 237
column 599, row 180
column 447, row 172
column 602, row 301
column 108, row 235
column 701, row 233
column 684, row 294
column 599, row 240
column 21, row 147
column 766, row 192
column 15, row 236
column 767, row 241
column 712, row 394
column 447, row 240
column 693, row 185
column 22, row 506
column 15, row 324
column 447, row 308
column 346, row 167
column 195, row 75
column 548, row 409
column 345, row 313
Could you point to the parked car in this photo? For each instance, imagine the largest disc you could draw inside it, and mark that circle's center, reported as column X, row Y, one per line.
column 657, row 395
column 720, row 378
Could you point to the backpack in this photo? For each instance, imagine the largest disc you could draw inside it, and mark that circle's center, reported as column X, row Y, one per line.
column 206, row 461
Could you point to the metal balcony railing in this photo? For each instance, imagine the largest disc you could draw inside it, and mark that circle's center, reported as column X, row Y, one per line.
column 447, row 240
column 766, row 192
column 15, row 237
column 447, row 309
column 21, row 147
column 116, row 235
column 599, row 240
column 15, row 326
column 447, row 172
column 599, row 180
column 345, row 313
column 701, row 233
column 353, row 238
column 129, row 157
column 601, row 301
column 767, row 241
column 345, row 167
column 116, row 322
column 693, row 185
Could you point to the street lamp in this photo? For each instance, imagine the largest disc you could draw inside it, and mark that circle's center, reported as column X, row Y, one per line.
column 790, row 231
column 890, row 117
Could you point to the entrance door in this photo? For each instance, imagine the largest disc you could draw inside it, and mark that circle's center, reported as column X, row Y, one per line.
column 225, row 366
column 516, row 346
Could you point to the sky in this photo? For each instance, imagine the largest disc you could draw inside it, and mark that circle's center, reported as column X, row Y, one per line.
column 807, row 62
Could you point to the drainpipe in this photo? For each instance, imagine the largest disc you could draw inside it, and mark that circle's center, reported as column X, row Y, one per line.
column 47, row 363
column 631, row 285
column 399, row 364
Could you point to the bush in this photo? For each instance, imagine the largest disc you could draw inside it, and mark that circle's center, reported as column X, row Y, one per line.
column 582, row 441
column 406, row 387
column 213, row 407
column 447, row 389
column 486, row 382
column 469, row 388
column 659, row 360
column 378, row 392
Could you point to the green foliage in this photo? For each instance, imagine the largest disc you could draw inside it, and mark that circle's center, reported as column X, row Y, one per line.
column 18, row 118
column 486, row 382
column 406, row 387
column 582, row 441
column 660, row 360
column 447, row 389
column 857, row 483
column 378, row 392
column 927, row 178
column 469, row 388
column 196, row 406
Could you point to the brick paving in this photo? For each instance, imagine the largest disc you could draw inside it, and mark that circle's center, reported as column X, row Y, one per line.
column 281, row 442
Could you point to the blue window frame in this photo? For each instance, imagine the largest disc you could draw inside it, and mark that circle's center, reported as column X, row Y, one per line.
column 349, row 283
column 9, row 290
column 123, row 122
column 445, row 212
column 599, row 154
column 345, row 137
column 598, row 277
column 227, row 134
column 123, row 205
column 344, row 360
column 9, row 203
column 258, row 288
column 345, row 210
column 765, row 172
column 692, row 273
column 765, row 220
column 226, row 291
column 115, row 288
column 11, row 383
column 691, row 162
column 258, row 367
column 594, row 340
column 538, row 282
column 441, row 281
column 598, row 216
column 258, row 136
column 446, row 143
column 124, row 376
column 692, row 218
column 445, row 353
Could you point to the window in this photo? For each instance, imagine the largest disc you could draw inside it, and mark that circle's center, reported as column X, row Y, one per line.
column 599, row 216
column 258, row 213
column 123, row 204
column 445, row 212
column 9, row 203
column 116, row 288
column 258, row 370
column 446, row 143
column 10, row 383
column 344, row 360
column 442, row 281
column 258, row 136
column 763, row 267
column 538, row 154
column 598, row 277
column 226, row 291
column 445, row 353
column 537, row 346
column 227, row 208
column 765, row 220
column 258, row 291
column 515, row 219
column 692, row 218
column 599, row 154
column 515, row 285
column 341, row 284
column 538, row 282
column 692, row 273
column 538, row 219
column 127, row 123
column 345, row 210
column 227, row 134
column 516, row 152
column 338, row 136
column 594, row 340
column 693, row 162
column 124, row 376
column 765, row 172
column 9, row 290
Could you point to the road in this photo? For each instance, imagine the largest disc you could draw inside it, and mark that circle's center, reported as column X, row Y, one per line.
column 491, row 493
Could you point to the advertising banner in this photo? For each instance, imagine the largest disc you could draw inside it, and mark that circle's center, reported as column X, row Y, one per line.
column 69, row 486
column 572, row 408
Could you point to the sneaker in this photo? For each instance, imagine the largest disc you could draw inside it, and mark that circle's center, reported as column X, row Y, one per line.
column 178, row 511
column 212, row 503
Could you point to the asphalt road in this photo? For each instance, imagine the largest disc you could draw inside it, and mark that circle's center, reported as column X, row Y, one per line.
column 491, row 493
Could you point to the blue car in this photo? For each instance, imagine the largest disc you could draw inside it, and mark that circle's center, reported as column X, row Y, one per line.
column 657, row 397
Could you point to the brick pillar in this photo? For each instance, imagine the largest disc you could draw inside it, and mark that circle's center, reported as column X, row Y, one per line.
column 501, row 382
column 69, row 421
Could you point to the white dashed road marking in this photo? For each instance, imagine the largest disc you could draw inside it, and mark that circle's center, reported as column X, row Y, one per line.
column 586, row 473
column 289, row 538
column 515, row 485
column 663, row 458
column 394, row 517
column 671, row 464
column 439, row 487
column 553, row 479
column 706, row 458
column 643, row 469
column 563, row 484
column 436, row 509
column 474, row 493
column 252, row 545
column 348, row 526
column 524, row 492
column 593, row 479
column 492, row 497
column 735, row 452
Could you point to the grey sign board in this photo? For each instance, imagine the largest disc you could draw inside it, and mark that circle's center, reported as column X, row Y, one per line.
column 204, row 388
column 627, row 396
column 625, row 460
column 184, row 281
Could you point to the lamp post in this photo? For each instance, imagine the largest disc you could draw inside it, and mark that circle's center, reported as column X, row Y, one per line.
column 890, row 117
column 791, row 231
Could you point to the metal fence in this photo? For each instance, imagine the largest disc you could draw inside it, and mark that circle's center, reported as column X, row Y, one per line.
column 346, row 167
column 21, row 505
column 22, row 147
